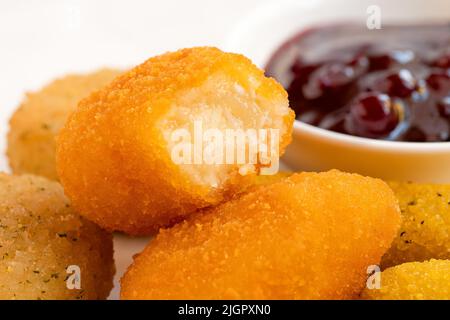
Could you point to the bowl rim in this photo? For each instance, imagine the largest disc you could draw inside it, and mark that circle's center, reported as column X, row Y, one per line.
column 369, row 143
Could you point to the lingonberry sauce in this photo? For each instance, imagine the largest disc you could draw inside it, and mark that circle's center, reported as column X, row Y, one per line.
column 392, row 83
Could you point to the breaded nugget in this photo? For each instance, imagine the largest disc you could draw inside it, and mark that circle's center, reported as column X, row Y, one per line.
column 429, row 280
column 425, row 231
column 43, row 242
column 115, row 153
column 33, row 127
column 308, row 236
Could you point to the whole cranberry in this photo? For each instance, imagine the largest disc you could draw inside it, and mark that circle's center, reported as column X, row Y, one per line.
column 301, row 71
column 372, row 115
column 301, row 74
column 383, row 61
column 330, row 77
column 401, row 84
column 335, row 75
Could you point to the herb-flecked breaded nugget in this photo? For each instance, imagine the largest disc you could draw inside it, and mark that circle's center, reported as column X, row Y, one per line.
column 47, row 250
column 308, row 236
column 425, row 230
column 33, row 127
column 115, row 153
column 429, row 280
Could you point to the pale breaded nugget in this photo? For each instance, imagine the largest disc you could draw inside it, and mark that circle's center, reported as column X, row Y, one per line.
column 425, row 230
column 33, row 127
column 115, row 156
column 429, row 280
column 308, row 236
column 43, row 242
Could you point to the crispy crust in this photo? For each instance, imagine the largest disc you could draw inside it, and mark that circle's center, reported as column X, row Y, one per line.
column 41, row 236
column 35, row 124
column 309, row 236
column 425, row 230
column 112, row 157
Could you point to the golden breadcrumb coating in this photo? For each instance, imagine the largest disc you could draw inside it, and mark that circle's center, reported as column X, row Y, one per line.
column 308, row 236
column 425, row 230
column 429, row 280
column 255, row 181
column 114, row 153
column 41, row 236
column 33, row 127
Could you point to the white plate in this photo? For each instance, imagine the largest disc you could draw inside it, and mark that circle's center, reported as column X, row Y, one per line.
column 41, row 40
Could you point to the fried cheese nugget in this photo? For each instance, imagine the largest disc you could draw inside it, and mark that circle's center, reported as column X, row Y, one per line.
column 425, row 230
column 115, row 153
column 308, row 236
column 255, row 181
column 47, row 251
column 429, row 280
column 33, row 127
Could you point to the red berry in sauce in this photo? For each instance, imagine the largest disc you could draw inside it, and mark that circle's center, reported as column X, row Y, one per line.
column 336, row 75
column 401, row 84
column 439, row 81
column 372, row 115
column 380, row 62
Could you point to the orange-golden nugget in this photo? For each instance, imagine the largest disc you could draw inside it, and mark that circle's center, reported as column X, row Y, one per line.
column 425, row 230
column 429, row 280
column 35, row 124
column 114, row 155
column 308, row 236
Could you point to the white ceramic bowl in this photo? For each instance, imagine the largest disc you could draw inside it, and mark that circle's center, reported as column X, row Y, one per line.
column 315, row 149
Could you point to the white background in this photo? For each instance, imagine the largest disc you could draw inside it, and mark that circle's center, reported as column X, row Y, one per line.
column 43, row 39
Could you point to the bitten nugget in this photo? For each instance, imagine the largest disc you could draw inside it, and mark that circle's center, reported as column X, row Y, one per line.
column 33, row 127
column 428, row 280
column 308, row 236
column 116, row 152
column 47, row 251
column 425, row 230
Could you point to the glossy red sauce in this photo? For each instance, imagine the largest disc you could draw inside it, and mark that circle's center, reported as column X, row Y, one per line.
column 391, row 84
